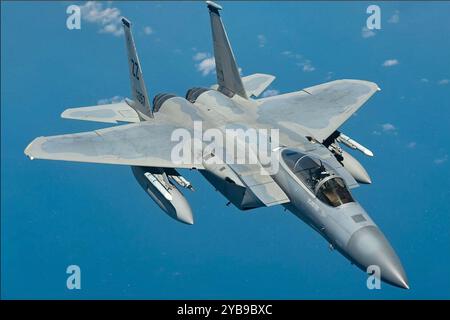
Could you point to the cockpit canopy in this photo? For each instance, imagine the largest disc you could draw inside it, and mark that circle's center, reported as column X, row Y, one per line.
column 319, row 177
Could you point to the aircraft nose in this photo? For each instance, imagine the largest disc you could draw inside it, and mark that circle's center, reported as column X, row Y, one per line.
column 368, row 246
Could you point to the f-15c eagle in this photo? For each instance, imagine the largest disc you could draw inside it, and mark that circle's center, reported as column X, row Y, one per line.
column 314, row 173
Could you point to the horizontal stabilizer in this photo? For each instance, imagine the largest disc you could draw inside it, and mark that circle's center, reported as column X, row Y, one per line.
column 255, row 84
column 107, row 113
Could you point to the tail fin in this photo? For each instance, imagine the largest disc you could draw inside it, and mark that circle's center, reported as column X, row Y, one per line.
column 227, row 71
column 139, row 92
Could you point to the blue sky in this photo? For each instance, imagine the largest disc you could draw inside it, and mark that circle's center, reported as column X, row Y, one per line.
column 54, row 214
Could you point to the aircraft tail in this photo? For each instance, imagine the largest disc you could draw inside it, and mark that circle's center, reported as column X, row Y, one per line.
column 228, row 77
column 139, row 92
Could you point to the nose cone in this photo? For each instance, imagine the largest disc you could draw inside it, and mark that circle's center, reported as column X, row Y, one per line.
column 368, row 246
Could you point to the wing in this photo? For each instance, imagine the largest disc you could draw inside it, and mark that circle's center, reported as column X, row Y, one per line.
column 146, row 143
column 316, row 111
column 108, row 113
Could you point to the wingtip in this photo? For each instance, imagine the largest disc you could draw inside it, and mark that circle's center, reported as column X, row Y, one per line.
column 29, row 149
column 126, row 22
column 377, row 87
column 65, row 113
column 213, row 6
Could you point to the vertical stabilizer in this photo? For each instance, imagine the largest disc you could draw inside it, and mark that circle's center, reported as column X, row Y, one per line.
column 139, row 92
column 228, row 77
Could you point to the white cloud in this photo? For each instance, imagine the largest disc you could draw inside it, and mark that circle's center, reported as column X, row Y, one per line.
column 390, row 63
column 207, row 66
column 112, row 28
column 425, row 80
column 441, row 160
column 200, row 56
column 329, row 75
column 262, row 40
column 307, row 66
column 107, row 18
column 300, row 61
column 206, row 63
column 148, row 30
column 270, row 93
column 114, row 99
column 367, row 33
column 388, row 128
column 292, row 55
column 411, row 145
column 443, row 82
column 395, row 18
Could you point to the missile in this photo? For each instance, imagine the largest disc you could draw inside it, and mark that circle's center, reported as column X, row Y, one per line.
column 349, row 142
column 355, row 168
column 164, row 193
column 182, row 182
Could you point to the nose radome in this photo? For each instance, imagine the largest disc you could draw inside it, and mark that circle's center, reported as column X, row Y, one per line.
column 368, row 246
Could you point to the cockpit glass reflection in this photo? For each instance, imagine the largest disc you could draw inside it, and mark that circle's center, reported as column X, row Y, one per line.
column 333, row 192
column 320, row 179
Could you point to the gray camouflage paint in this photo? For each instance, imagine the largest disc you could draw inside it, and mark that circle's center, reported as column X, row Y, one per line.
column 315, row 112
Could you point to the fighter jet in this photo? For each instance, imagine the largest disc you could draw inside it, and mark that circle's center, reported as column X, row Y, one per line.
column 314, row 174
